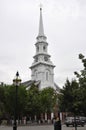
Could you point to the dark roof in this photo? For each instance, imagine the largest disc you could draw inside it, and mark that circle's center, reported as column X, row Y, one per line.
column 28, row 83
column 57, row 87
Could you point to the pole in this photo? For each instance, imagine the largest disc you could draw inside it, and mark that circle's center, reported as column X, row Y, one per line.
column 75, row 124
column 15, row 110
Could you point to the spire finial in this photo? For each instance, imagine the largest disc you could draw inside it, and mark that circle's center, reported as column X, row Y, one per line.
column 41, row 6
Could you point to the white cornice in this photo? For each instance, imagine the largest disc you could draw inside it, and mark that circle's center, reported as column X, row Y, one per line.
column 44, row 63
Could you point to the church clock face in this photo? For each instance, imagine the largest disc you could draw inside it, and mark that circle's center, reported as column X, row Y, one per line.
column 45, row 58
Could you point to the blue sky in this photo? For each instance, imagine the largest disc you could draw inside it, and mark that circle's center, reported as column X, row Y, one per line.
column 64, row 26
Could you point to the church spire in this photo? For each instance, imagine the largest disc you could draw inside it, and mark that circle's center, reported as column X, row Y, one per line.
column 41, row 29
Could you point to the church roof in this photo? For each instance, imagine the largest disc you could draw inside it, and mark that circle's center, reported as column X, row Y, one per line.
column 57, row 87
column 28, row 84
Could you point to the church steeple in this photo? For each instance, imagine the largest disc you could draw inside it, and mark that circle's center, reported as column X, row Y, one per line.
column 41, row 28
column 42, row 67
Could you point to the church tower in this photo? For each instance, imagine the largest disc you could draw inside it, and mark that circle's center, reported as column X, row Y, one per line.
column 42, row 67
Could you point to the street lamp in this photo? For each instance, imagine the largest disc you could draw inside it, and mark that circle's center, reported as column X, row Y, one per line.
column 16, row 82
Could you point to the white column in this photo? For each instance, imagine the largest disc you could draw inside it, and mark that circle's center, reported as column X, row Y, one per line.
column 45, row 116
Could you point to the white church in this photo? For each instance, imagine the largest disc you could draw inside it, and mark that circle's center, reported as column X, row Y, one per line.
column 42, row 68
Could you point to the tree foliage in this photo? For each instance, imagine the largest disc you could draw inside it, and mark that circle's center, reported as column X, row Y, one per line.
column 9, row 105
column 73, row 94
column 2, row 100
column 29, row 102
column 33, row 101
column 69, row 97
column 40, row 101
column 48, row 99
column 81, row 76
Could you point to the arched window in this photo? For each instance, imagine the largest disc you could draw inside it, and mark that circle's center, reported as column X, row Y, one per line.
column 36, row 59
column 37, row 48
column 46, row 58
column 44, row 48
column 36, row 74
column 47, row 75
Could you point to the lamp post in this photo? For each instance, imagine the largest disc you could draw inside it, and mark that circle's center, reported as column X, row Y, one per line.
column 57, row 124
column 16, row 82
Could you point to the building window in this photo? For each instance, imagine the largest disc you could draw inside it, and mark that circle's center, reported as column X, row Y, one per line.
column 37, row 48
column 36, row 74
column 36, row 59
column 47, row 76
column 44, row 48
column 46, row 58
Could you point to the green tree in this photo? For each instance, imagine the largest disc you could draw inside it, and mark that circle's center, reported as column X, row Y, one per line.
column 33, row 101
column 40, row 101
column 10, row 100
column 81, row 76
column 73, row 94
column 69, row 99
column 2, row 100
column 48, row 99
